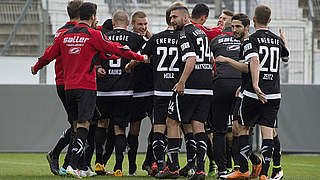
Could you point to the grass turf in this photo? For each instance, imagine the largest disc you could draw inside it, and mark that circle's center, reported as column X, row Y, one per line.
column 34, row 166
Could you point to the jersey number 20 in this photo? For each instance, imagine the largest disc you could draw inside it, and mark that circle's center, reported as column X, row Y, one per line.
column 272, row 54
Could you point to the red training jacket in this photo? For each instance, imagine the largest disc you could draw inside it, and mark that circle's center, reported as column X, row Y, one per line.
column 210, row 32
column 58, row 65
column 77, row 46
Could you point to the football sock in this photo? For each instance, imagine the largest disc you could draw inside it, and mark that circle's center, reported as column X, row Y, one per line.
column 173, row 150
column 266, row 152
column 201, row 150
column 228, row 153
column 210, row 153
column 159, row 148
column 235, row 151
column 220, row 150
column 191, row 148
column 276, row 153
column 62, row 143
column 245, row 152
column 78, row 146
column 120, row 147
column 100, row 138
column 109, row 146
column 88, row 152
column 67, row 158
column 149, row 155
column 133, row 143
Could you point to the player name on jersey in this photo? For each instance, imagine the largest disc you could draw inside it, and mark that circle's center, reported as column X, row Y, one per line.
column 203, row 66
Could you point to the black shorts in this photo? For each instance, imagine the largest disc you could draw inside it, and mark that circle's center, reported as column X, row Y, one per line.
column 62, row 96
column 253, row 112
column 223, row 104
column 189, row 107
column 117, row 108
column 160, row 104
column 81, row 104
column 141, row 108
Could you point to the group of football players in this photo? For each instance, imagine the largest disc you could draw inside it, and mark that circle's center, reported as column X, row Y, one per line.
column 210, row 85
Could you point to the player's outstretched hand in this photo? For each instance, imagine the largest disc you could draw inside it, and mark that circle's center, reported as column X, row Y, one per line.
column 101, row 72
column 260, row 94
column 179, row 88
column 146, row 59
column 221, row 59
column 33, row 71
column 283, row 35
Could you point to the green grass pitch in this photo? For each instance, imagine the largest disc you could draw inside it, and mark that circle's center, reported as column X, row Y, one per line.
column 34, row 166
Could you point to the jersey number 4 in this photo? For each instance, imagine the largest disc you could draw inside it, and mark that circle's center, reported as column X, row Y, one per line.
column 271, row 54
column 164, row 52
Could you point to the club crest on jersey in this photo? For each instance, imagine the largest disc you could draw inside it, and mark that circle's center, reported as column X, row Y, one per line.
column 75, row 50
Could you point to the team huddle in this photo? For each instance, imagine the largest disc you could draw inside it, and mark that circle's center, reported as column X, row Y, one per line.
column 210, row 85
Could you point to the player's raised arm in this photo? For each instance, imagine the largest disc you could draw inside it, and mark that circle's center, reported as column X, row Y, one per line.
column 285, row 51
column 102, row 43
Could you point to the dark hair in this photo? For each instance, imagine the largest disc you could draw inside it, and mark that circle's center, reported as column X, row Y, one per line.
column 138, row 14
column 185, row 9
column 262, row 14
column 228, row 12
column 73, row 8
column 168, row 11
column 200, row 10
column 107, row 26
column 87, row 9
column 243, row 18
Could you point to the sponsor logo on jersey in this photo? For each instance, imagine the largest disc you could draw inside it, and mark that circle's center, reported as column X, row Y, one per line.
column 75, row 39
column 74, row 50
column 247, row 47
column 233, row 48
column 185, row 46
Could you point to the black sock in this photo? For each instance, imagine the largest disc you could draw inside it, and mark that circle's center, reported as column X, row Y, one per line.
column 201, row 150
column 245, row 152
column 88, row 153
column 254, row 158
column 78, row 146
column 149, row 154
column 276, row 153
column 100, row 138
column 191, row 148
column 220, row 150
column 173, row 150
column 109, row 146
column 210, row 153
column 266, row 152
column 235, row 151
column 158, row 148
column 62, row 143
column 228, row 153
column 67, row 158
column 120, row 146
column 133, row 143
